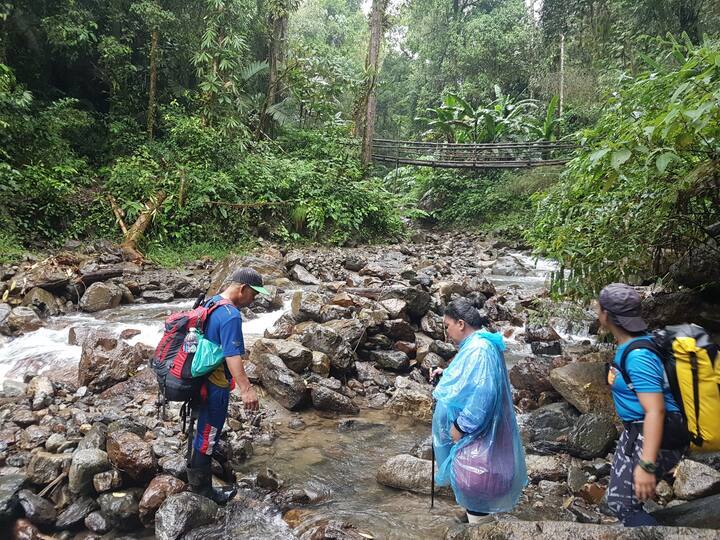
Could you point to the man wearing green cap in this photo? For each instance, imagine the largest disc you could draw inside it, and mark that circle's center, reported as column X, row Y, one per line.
column 224, row 327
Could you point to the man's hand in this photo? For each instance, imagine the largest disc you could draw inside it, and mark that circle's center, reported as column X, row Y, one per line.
column 455, row 434
column 644, row 484
column 249, row 398
column 437, row 372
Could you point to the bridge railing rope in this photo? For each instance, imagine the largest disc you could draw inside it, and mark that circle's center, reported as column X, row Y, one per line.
column 472, row 155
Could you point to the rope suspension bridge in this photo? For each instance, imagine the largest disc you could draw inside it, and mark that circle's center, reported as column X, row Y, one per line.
column 501, row 155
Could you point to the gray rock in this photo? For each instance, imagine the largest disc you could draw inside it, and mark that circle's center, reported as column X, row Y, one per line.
column 10, row 485
column 552, row 348
column 553, row 468
column 42, row 391
column 432, row 325
column 443, row 349
column 702, row 513
column 284, row 385
column 45, row 467
column 354, row 263
column 76, row 513
column 121, row 508
column 100, row 296
column 13, row 389
column 174, row 465
column 399, row 330
column 584, row 385
column 95, row 438
column 300, row 274
column 55, row 441
column 593, row 436
column 411, row 399
column 694, row 480
column 294, row 355
column 33, row 437
column 106, row 360
column 366, row 372
column 320, row 364
column 85, row 465
column 160, row 296
column 39, row 511
column 325, row 399
column 417, row 300
column 393, row 360
column 43, row 301
column 395, row 307
column 23, row 319
column 326, row 340
column 182, row 512
column 98, row 522
column 306, row 306
column 537, row 332
column 157, row 491
column 408, row 473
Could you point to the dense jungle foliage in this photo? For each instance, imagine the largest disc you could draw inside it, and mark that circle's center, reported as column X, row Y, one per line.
column 229, row 120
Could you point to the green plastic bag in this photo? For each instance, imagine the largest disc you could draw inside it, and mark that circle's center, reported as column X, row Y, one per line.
column 208, row 356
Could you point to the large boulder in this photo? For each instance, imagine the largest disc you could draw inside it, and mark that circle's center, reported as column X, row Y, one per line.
column 160, row 488
column 325, row 399
column 538, row 332
column 100, row 296
column 432, row 325
column 325, row 339
column 106, row 360
column 45, row 302
column 300, row 274
column 351, row 330
column 417, row 301
column 694, row 480
column 532, row 373
column 409, row 473
column 23, row 319
column 85, row 465
column 366, row 372
column 294, row 355
column 702, row 513
column 132, row 455
column 307, row 306
column 593, row 436
column 584, row 385
column 284, row 385
column 181, row 512
column 411, row 399
column 548, row 424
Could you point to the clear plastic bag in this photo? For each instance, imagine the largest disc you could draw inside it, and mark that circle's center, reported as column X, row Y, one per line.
column 486, row 467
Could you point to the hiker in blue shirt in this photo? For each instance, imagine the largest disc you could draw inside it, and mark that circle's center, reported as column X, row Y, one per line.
column 648, row 446
column 475, row 434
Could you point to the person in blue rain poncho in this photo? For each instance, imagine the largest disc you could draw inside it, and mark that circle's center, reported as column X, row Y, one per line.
column 475, row 434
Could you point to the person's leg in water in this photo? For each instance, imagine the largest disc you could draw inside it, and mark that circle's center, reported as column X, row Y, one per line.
column 212, row 412
column 621, row 490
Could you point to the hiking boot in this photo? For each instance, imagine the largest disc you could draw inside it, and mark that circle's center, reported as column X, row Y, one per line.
column 200, row 481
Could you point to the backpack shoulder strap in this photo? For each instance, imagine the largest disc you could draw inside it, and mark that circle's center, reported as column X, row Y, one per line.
column 644, row 343
column 209, row 307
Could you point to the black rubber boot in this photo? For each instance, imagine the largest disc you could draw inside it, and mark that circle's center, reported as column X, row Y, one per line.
column 200, row 481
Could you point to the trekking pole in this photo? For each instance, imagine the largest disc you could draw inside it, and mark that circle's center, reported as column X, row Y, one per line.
column 432, row 477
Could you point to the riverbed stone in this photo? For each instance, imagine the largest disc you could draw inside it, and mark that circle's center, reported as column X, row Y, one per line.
column 44, row 467
column 320, row 364
column 593, row 436
column 325, row 339
column 411, row 399
column 96, row 438
column 694, row 480
column 300, row 274
column 283, row 384
column 408, row 473
column 131, row 454
column 13, row 389
column 45, row 302
column 39, row 511
column 121, row 508
column 159, row 489
column 100, row 296
column 33, row 437
column 417, row 300
column 24, row 418
column 107, row 481
column 702, row 513
column 182, row 512
column 351, row 330
column 553, row 468
column 76, row 512
column 10, row 485
column 392, row 360
column 306, row 306
column 106, row 360
column 23, row 319
column 432, row 325
column 159, row 296
column 85, row 465
column 324, row 399
column 366, row 372
column 98, row 522
column 584, row 385
column 295, row 356
column 399, row 330
column 541, row 348
column 42, row 391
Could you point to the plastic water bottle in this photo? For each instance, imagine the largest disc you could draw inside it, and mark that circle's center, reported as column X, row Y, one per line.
column 190, row 344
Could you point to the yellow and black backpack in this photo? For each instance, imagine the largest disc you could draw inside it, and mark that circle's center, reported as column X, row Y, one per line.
column 692, row 365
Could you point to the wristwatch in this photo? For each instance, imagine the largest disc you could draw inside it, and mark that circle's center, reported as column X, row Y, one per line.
column 648, row 466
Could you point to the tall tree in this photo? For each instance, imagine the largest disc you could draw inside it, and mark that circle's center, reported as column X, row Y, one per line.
column 366, row 127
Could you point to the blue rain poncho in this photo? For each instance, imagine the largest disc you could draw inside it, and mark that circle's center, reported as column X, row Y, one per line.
column 486, row 467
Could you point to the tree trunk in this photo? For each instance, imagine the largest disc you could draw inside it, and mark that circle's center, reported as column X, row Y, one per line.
column 135, row 233
column 367, row 128
column 152, row 93
column 562, row 75
column 278, row 54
